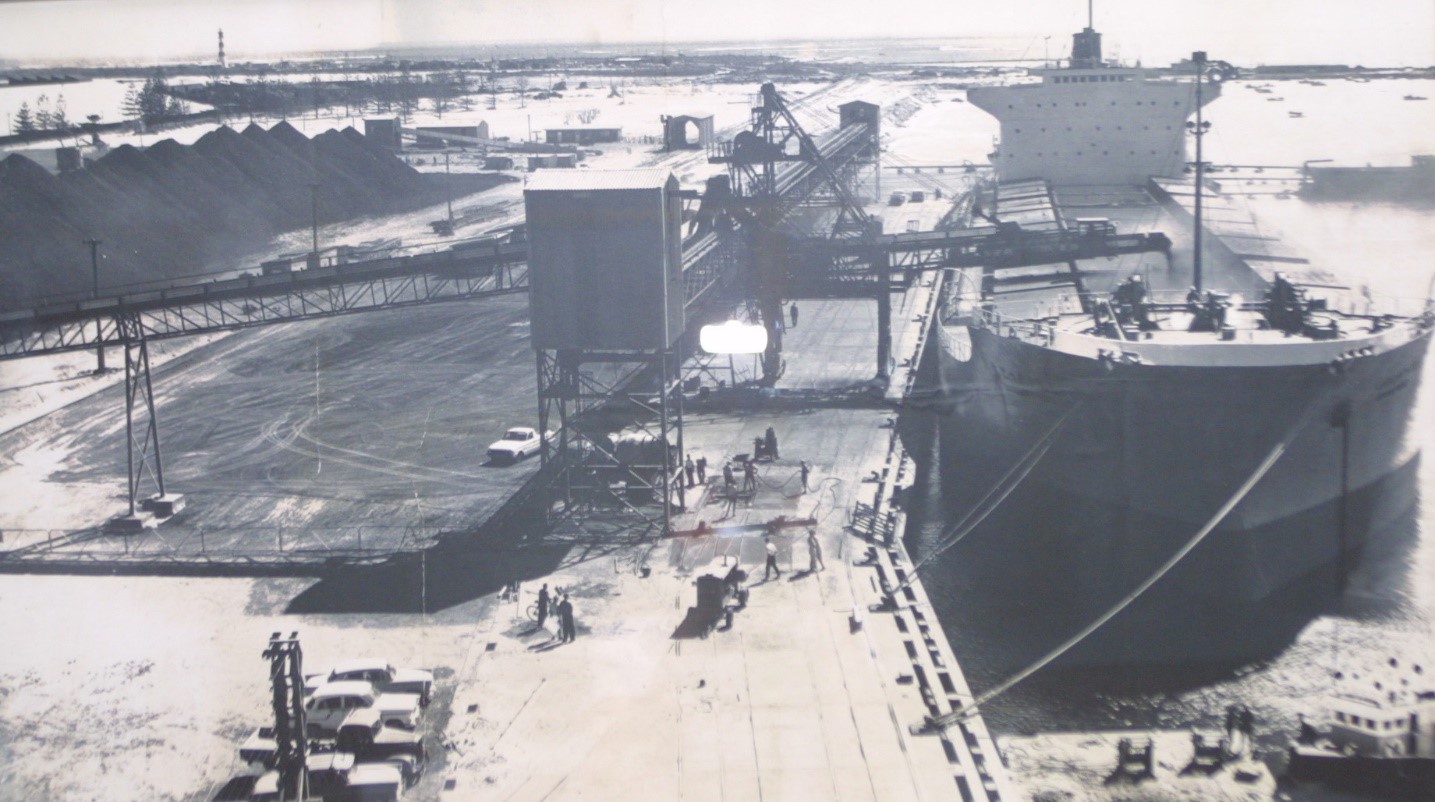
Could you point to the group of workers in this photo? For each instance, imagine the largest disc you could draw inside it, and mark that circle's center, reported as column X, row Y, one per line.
column 1285, row 306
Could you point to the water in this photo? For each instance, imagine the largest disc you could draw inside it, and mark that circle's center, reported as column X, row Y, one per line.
column 1389, row 608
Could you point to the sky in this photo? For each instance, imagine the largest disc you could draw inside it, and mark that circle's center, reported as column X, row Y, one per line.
column 1379, row 33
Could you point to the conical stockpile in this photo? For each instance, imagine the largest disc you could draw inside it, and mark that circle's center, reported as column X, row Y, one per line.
column 165, row 212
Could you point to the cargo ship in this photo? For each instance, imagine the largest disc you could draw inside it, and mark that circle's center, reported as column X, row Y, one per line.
column 1202, row 441
column 1413, row 183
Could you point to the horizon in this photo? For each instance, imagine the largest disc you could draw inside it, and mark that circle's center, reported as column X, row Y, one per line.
column 74, row 32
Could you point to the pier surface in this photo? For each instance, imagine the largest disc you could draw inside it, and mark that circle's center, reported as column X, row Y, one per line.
column 807, row 695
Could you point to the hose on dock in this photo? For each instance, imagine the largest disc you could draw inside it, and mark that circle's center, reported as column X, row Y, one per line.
column 1274, row 456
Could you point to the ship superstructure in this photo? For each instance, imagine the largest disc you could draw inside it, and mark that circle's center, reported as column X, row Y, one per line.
column 1091, row 123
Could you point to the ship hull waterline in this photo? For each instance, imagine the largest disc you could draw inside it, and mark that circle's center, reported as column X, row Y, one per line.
column 1135, row 459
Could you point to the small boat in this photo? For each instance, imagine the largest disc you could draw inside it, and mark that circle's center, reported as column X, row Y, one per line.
column 1296, row 113
column 1415, row 97
column 1275, row 99
column 1379, row 734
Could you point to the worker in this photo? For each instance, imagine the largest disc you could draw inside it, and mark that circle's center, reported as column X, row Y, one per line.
column 1129, row 298
column 793, row 310
column 1283, row 305
column 771, row 567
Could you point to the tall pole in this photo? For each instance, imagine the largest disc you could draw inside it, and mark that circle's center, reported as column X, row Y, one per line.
column 1199, row 60
column 94, row 294
column 448, row 188
column 314, row 218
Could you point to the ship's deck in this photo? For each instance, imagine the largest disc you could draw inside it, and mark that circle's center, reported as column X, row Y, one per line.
column 1052, row 305
column 1246, row 341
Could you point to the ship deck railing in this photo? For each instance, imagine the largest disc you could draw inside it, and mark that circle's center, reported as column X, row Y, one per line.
column 1247, row 321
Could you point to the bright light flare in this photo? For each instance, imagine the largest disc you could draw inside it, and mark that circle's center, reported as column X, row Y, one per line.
column 733, row 337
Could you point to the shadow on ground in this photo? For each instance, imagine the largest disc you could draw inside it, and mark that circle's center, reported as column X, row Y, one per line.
column 460, row 568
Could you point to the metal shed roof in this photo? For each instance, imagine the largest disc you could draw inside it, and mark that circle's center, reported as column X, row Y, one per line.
column 548, row 180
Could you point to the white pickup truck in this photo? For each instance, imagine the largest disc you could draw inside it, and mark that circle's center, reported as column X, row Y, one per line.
column 517, row 443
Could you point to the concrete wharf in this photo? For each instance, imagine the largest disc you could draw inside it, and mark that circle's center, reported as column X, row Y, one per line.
column 808, row 694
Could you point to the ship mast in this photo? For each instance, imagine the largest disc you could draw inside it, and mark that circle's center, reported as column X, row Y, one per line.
column 1198, row 129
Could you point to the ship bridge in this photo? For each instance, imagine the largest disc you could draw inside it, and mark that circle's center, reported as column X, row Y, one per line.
column 1090, row 123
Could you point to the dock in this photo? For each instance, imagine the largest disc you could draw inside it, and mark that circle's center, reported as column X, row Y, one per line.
column 809, row 693
column 771, row 642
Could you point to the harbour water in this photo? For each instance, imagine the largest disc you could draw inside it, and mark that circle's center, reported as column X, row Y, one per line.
column 1389, row 606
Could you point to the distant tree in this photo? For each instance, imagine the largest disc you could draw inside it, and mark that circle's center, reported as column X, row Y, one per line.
column 42, row 113
column 461, row 86
column 587, row 116
column 405, row 91
column 132, row 108
column 522, row 84
column 153, row 100
column 440, row 92
column 60, row 118
column 24, row 120
column 176, row 108
column 315, row 92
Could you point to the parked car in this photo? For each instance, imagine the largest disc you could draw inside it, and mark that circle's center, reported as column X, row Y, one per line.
column 260, row 747
column 897, row 199
column 918, row 196
column 371, row 782
column 364, row 734
column 332, row 703
column 379, row 673
column 336, row 776
column 517, row 443
column 266, row 788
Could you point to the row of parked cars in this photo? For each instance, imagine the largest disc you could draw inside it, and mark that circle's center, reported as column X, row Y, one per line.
column 362, row 720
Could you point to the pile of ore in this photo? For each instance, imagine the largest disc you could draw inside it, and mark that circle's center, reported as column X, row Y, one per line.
column 167, row 211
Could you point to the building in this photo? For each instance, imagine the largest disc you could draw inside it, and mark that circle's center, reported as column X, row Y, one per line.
column 676, row 131
column 558, row 161
column 582, row 135
column 385, row 133
column 437, row 136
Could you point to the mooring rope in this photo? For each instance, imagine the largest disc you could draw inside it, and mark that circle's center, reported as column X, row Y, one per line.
column 1002, row 489
column 1261, row 470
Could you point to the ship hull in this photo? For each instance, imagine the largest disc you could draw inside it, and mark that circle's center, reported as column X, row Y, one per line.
column 1134, row 460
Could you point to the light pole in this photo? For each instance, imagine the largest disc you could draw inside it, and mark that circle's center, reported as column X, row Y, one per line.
column 1198, row 129
column 314, row 223
column 94, row 294
column 448, row 188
